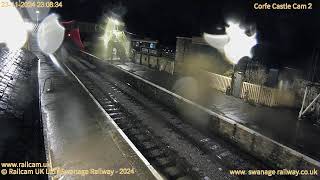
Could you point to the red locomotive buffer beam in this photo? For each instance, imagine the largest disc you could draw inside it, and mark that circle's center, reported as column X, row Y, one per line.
column 73, row 33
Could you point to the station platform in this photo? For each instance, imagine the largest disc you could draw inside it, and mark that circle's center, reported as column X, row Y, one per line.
column 79, row 135
column 20, row 123
column 279, row 124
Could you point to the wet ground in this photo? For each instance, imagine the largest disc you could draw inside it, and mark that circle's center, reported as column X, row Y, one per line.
column 280, row 124
column 79, row 135
column 21, row 136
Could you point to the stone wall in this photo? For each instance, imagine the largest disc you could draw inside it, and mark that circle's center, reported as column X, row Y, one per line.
column 160, row 63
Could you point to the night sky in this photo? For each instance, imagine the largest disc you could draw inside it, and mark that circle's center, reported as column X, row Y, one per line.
column 285, row 37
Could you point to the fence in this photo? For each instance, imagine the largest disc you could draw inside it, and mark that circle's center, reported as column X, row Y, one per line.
column 255, row 93
column 286, row 98
column 267, row 96
column 217, row 81
column 258, row 94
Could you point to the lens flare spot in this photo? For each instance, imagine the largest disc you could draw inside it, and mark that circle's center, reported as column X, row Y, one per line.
column 13, row 31
column 235, row 44
column 50, row 34
column 239, row 44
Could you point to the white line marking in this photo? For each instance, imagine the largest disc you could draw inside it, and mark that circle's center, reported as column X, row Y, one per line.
column 124, row 136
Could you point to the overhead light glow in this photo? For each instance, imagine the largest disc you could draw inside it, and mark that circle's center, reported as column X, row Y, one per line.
column 13, row 31
column 115, row 21
column 115, row 36
column 239, row 44
column 29, row 26
column 235, row 44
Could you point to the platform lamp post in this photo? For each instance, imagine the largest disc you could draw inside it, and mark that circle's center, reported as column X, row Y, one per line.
column 37, row 12
column 239, row 70
column 233, row 78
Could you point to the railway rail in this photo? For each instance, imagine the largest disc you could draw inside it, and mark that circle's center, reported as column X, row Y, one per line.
column 175, row 148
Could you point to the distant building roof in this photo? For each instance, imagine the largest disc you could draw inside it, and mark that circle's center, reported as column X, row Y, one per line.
column 195, row 39
column 144, row 40
column 180, row 37
column 199, row 40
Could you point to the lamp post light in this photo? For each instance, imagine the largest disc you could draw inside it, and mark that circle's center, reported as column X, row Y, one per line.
column 37, row 12
column 235, row 44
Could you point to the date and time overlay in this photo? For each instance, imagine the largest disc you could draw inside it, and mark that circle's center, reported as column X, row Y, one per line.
column 29, row 4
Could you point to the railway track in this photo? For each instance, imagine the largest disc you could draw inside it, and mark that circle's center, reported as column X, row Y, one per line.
column 174, row 148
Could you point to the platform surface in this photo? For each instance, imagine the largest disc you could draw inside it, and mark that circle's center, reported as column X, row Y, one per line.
column 20, row 123
column 79, row 135
column 279, row 124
